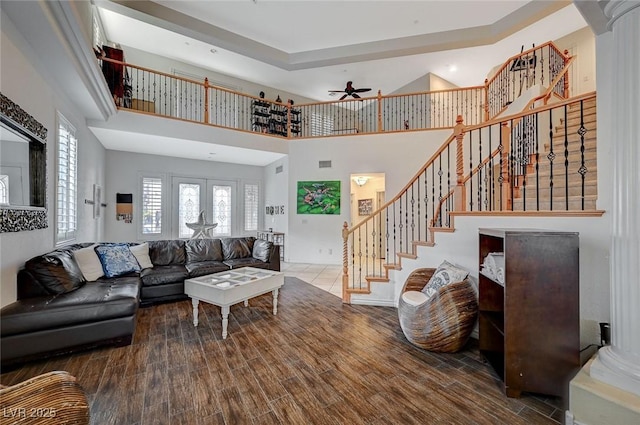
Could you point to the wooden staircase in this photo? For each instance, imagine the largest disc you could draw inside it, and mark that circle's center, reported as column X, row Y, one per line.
column 563, row 190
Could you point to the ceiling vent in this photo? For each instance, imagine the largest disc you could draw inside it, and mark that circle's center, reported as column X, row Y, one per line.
column 324, row 164
column 279, row 169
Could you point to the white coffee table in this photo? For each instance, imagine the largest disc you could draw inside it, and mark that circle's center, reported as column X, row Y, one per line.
column 231, row 287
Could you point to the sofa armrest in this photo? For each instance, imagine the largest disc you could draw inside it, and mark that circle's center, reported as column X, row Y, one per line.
column 274, row 258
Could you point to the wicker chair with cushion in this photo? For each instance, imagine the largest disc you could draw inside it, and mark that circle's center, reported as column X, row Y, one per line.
column 53, row 398
column 442, row 322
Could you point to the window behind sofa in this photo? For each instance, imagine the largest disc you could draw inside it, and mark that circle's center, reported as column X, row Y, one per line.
column 66, row 181
column 151, row 206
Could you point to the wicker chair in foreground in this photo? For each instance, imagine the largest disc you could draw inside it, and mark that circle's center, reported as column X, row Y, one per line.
column 53, row 398
column 442, row 323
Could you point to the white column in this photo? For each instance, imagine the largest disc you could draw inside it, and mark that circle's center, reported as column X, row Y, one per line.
column 619, row 364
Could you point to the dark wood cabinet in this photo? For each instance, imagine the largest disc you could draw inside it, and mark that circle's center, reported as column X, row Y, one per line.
column 529, row 327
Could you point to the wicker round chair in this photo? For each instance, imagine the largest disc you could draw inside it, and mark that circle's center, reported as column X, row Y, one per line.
column 53, row 398
column 444, row 322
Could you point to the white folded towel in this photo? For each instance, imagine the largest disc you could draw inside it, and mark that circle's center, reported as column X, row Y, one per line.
column 500, row 275
column 492, row 263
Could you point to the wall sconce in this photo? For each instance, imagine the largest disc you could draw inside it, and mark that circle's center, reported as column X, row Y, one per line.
column 361, row 180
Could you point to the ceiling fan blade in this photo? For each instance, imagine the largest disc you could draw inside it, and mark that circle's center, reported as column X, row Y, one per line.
column 361, row 90
column 336, row 91
column 355, row 95
column 342, row 98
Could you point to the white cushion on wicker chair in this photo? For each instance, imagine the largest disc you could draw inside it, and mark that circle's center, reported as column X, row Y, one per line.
column 414, row 297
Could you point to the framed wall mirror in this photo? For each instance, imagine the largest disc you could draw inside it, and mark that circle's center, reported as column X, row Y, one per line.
column 23, row 169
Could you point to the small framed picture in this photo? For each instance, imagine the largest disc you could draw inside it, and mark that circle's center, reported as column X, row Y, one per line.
column 365, row 206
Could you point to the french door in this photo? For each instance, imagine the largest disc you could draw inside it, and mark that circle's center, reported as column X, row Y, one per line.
column 217, row 198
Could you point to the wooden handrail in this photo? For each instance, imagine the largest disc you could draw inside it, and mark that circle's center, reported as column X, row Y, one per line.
column 407, row 186
column 521, row 54
column 584, row 96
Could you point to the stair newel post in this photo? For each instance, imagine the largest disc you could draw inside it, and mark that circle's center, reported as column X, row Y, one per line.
column 346, row 297
column 486, row 99
column 206, row 101
column 380, row 129
column 505, row 178
column 565, row 92
column 459, row 193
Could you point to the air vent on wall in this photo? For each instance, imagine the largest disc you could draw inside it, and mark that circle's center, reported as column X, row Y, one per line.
column 324, row 164
column 279, row 169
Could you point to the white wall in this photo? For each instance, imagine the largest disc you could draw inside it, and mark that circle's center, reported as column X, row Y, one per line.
column 25, row 81
column 276, row 192
column 317, row 238
column 582, row 45
column 123, row 170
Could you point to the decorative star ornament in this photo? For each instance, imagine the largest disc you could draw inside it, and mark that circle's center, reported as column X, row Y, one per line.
column 201, row 229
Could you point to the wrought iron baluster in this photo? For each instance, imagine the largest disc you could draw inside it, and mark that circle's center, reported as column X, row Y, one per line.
column 413, row 223
column 501, row 164
column 395, row 253
column 537, row 164
column 511, row 166
column 566, row 157
column 386, row 234
column 471, row 170
column 551, row 156
column 440, row 173
column 401, row 225
column 360, row 257
column 480, row 186
column 583, row 168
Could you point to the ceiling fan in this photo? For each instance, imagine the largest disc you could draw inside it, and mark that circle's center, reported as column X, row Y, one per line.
column 350, row 91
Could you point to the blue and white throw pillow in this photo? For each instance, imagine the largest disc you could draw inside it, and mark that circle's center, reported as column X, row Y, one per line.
column 445, row 274
column 117, row 259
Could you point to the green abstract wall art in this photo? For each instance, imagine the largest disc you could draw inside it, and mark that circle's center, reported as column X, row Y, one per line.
column 319, row 197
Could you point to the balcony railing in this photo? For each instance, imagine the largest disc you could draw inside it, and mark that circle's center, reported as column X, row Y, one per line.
column 145, row 90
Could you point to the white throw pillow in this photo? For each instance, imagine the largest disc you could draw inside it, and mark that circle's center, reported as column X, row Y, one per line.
column 89, row 263
column 141, row 252
column 445, row 274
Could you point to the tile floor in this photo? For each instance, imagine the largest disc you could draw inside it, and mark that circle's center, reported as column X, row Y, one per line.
column 323, row 276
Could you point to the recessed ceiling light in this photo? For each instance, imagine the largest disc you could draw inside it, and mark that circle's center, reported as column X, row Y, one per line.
column 453, row 68
column 186, row 42
column 213, row 51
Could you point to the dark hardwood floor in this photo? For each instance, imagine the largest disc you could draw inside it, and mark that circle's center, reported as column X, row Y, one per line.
column 317, row 362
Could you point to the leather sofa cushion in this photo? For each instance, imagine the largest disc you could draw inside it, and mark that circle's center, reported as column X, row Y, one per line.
column 246, row 262
column 262, row 249
column 233, row 248
column 96, row 301
column 57, row 271
column 203, row 250
column 161, row 275
column 164, row 253
column 202, row 268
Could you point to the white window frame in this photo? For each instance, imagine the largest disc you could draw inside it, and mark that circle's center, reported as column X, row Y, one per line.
column 70, row 201
column 245, row 207
column 165, row 224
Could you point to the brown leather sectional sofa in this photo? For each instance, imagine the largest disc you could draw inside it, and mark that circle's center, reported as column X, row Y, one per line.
column 58, row 311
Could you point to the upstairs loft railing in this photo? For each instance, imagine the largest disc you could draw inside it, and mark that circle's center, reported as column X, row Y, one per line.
column 539, row 160
column 544, row 66
column 145, row 90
